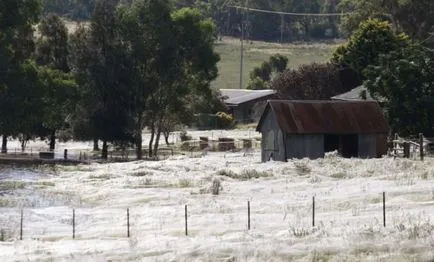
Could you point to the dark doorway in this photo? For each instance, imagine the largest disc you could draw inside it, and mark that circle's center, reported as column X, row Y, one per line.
column 350, row 146
column 331, row 143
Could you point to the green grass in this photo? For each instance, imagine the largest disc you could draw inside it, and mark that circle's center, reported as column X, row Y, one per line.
column 257, row 52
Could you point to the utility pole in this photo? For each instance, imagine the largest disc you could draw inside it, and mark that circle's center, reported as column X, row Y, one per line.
column 282, row 28
column 242, row 50
column 242, row 46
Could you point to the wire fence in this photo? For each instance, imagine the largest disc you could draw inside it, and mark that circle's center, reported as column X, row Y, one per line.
column 191, row 147
column 93, row 223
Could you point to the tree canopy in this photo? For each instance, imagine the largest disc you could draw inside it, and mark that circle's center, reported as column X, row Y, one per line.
column 143, row 64
column 366, row 44
column 404, row 81
column 413, row 17
column 262, row 75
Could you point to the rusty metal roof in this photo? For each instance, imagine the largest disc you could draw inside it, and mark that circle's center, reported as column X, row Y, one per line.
column 327, row 117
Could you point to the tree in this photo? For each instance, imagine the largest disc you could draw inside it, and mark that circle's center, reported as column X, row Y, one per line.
column 413, row 17
column 16, row 46
column 58, row 99
column 278, row 62
column 307, row 6
column 52, row 44
column 148, row 34
column 309, row 82
column 195, row 66
column 365, row 46
column 102, row 58
column 257, row 83
column 52, row 52
column 404, row 80
column 261, row 76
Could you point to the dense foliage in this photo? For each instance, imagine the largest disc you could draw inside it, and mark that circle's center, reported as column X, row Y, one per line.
column 413, row 17
column 148, row 64
column 134, row 67
column 261, row 76
column 310, row 82
column 404, row 81
column 145, row 66
column 369, row 41
column 228, row 19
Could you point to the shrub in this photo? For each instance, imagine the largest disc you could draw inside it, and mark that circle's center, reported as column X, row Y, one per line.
column 216, row 186
column 257, row 83
column 184, row 183
column 225, row 120
column 184, row 136
column 302, row 169
column 244, row 175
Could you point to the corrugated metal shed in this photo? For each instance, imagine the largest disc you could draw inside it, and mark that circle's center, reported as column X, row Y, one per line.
column 327, row 117
column 239, row 96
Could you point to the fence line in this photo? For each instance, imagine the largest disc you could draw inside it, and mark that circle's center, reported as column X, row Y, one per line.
column 186, row 222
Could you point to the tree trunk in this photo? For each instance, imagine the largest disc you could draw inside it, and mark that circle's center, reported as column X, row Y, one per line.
column 95, row 144
column 23, row 145
column 139, row 146
column 4, row 144
column 166, row 137
column 157, row 140
column 104, row 152
column 151, row 141
column 52, row 140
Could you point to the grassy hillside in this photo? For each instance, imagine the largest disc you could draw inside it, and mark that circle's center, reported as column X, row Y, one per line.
column 255, row 53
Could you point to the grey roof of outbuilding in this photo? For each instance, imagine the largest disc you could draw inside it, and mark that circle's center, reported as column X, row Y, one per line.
column 240, row 96
column 327, row 117
column 355, row 95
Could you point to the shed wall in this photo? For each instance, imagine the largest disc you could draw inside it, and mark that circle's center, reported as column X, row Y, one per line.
column 367, row 146
column 272, row 140
column 301, row 146
column 381, row 146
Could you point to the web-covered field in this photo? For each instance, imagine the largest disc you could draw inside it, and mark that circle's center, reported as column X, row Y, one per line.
column 348, row 226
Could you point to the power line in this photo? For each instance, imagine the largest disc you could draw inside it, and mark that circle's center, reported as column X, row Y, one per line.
column 286, row 13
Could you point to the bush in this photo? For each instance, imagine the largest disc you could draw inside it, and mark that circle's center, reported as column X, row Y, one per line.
column 216, row 186
column 257, row 83
column 225, row 120
column 244, row 175
column 184, row 136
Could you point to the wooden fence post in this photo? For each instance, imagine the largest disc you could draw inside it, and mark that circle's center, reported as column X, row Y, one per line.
column 248, row 215
column 313, row 211
column 421, row 146
column 186, row 221
column 21, row 225
column 128, row 222
column 73, row 223
column 384, row 209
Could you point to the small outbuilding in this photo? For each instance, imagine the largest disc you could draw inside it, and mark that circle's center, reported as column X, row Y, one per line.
column 299, row 129
column 243, row 103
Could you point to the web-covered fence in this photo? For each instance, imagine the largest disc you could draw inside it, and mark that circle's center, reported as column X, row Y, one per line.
column 301, row 216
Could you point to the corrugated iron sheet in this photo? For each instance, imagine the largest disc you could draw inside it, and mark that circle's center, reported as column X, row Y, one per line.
column 328, row 117
column 236, row 97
